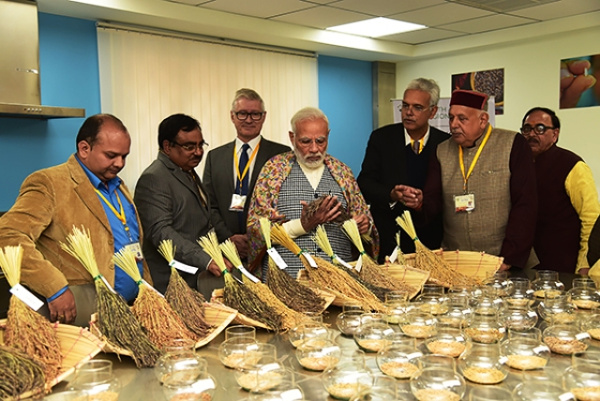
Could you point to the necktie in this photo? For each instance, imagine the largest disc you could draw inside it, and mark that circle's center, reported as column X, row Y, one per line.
column 198, row 189
column 416, row 146
column 242, row 188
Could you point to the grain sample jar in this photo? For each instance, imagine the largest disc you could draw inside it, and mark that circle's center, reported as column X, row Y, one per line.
column 436, row 384
column 448, row 341
column 399, row 359
column 483, row 364
column 565, row 339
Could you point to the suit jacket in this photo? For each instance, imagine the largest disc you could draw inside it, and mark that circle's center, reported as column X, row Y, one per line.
column 51, row 201
column 385, row 165
column 218, row 179
column 170, row 207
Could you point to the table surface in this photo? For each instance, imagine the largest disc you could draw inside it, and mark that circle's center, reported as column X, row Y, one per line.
column 142, row 384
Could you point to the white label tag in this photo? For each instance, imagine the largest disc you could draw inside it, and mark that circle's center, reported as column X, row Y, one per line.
column 342, row 262
column 531, row 314
column 566, row 397
column 183, row 267
column 108, row 285
column 310, row 260
column 394, row 255
column 541, row 348
column 582, row 336
column 414, row 355
column 152, row 288
column 247, row 273
column 26, row 296
column 277, row 258
column 358, row 265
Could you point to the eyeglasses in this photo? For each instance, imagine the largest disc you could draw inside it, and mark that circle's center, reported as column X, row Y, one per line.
column 305, row 141
column 191, row 147
column 538, row 129
column 417, row 108
column 254, row 116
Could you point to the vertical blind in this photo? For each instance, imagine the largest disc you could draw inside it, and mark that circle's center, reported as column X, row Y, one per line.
column 145, row 77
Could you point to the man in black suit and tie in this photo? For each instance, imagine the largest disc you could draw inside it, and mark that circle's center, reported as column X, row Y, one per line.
column 231, row 170
column 173, row 204
column 399, row 154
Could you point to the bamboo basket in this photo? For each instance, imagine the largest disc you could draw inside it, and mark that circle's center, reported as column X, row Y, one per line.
column 478, row 265
column 217, row 315
column 409, row 275
column 77, row 346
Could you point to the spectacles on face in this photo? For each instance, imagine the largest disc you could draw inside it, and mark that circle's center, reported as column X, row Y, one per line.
column 538, row 129
column 254, row 116
column 417, row 108
column 322, row 140
column 191, row 147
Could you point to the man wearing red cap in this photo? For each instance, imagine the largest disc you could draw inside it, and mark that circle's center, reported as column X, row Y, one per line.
column 483, row 182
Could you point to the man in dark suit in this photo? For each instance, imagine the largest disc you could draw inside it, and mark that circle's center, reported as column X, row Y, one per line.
column 231, row 170
column 173, row 204
column 399, row 154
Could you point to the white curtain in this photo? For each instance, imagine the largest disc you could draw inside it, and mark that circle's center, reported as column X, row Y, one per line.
column 145, row 77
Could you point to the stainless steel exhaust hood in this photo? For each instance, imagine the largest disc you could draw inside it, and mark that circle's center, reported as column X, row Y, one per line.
column 19, row 64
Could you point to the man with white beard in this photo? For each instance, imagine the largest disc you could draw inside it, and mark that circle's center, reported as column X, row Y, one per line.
column 289, row 181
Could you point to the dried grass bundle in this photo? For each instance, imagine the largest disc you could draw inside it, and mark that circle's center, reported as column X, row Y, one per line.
column 370, row 271
column 289, row 317
column 150, row 308
column 186, row 301
column 327, row 276
column 427, row 260
column 115, row 319
column 322, row 241
column 19, row 373
column 236, row 294
column 291, row 292
column 26, row 330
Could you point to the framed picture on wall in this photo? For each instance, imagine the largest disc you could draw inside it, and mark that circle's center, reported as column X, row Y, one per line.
column 490, row 82
column 579, row 86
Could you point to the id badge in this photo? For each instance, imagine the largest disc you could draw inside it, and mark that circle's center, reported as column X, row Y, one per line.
column 237, row 203
column 136, row 249
column 464, row 203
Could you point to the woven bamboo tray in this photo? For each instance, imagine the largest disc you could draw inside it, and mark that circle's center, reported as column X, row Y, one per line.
column 77, row 346
column 408, row 275
column 478, row 265
column 216, row 315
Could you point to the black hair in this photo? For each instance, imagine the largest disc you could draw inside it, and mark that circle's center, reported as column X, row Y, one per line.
column 170, row 127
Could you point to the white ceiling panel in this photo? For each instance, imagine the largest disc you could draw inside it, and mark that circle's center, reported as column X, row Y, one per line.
column 441, row 14
column 261, row 9
column 383, row 8
column 422, row 36
column 321, row 17
column 561, row 9
column 488, row 23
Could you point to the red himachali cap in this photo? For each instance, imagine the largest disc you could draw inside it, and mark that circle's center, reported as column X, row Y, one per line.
column 473, row 99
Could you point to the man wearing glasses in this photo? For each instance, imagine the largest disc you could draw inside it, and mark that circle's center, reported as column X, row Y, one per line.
column 231, row 170
column 173, row 204
column 568, row 205
column 290, row 181
column 483, row 183
column 399, row 154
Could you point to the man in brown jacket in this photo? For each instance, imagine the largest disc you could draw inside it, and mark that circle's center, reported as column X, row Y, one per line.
column 83, row 192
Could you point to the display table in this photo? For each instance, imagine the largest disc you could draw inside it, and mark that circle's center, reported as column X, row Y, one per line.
column 142, row 384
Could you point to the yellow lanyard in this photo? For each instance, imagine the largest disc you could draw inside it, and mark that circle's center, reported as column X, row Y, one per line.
column 237, row 163
column 472, row 166
column 120, row 214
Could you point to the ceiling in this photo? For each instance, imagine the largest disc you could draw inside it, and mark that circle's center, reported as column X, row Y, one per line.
column 453, row 25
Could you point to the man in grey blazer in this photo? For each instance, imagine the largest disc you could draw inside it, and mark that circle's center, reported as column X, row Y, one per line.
column 229, row 183
column 173, row 204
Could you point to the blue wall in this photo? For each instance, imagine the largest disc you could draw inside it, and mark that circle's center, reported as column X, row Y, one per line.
column 346, row 97
column 69, row 78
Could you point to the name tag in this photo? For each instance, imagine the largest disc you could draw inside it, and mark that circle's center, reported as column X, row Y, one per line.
column 237, row 203
column 464, row 203
column 136, row 249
